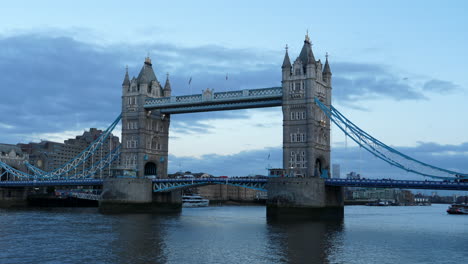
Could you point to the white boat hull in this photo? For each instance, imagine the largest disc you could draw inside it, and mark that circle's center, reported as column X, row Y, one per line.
column 194, row 201
column 197, row 204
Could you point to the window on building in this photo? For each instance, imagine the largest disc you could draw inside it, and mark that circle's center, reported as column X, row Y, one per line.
column 297, row 86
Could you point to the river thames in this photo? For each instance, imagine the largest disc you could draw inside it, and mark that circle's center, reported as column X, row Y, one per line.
column 233, row 234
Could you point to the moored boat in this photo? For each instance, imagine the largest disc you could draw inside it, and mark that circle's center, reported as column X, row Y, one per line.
column 194, row 201
column 458, row 209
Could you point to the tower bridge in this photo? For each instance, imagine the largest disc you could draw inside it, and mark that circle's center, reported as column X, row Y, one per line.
column 147, row 106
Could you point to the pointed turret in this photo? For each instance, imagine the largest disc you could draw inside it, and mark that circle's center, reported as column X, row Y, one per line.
column 126, row 81
column 146, row 75
column 306, row 55
column 286, row 61
column 167, row 87
column 326, row 71
column 326, row 68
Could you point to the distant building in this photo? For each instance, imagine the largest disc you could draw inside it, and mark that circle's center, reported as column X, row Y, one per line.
column 49, row 155
column 353, row 176
column 402, row 197
column 336, row 171
column 222, row 192
column 13, row 156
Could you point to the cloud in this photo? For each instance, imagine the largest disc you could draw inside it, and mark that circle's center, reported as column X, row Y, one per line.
column 55, row 84
column 196, row 127
column 52, row 83
column 452, row 157
column 240, row 164
column 357, row 81
column 440, row 86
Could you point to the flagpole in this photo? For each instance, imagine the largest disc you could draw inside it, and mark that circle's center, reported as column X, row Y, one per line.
column 190, row 84
column 227, row 88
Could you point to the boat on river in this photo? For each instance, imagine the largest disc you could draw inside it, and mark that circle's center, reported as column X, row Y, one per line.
column 458, row 209
column 194, row 201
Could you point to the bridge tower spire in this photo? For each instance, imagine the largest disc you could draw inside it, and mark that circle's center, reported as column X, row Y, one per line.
column 167, row 87
column 327, row 74
column 144, row 133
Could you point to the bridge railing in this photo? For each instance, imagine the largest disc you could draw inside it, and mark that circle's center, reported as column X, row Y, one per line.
column 212, row 180
column 228, row 95
column 391, row 183
column 220, row 97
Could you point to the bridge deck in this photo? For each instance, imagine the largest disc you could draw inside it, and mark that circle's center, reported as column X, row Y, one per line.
column 242, row 99
column 403, row 184
column 168, row 184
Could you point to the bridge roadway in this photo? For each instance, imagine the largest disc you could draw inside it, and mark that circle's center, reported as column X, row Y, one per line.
column 162, row 185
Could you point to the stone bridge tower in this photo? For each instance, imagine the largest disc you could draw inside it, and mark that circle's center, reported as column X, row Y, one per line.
column 306, row 143
column 306, row 130
column 144, row 133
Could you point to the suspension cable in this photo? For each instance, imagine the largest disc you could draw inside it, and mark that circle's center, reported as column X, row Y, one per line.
column 382, row 151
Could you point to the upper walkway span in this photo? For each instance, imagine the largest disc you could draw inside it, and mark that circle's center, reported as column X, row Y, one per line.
column 211, row 101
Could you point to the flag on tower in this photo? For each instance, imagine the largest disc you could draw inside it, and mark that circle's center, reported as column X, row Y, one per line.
column 190, row 80
column 226, row 76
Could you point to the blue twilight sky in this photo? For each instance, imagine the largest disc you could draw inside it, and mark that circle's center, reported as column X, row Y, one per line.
column 399, row 72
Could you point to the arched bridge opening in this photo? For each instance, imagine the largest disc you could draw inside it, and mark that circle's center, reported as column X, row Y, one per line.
column 151, row 169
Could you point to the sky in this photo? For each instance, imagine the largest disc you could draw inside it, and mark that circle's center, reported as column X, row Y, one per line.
column 399, row 72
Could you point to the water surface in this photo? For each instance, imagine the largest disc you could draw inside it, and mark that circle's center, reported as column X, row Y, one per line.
column 233, row 234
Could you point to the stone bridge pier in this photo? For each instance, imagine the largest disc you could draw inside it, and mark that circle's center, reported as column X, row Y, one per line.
column 135, row 195
column 13, row 197
column 307, row 198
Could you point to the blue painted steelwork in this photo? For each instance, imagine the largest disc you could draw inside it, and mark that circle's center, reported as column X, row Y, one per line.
column 209, row 101
column 72, row 164
column 221, row 107
column 33, row 183
column 384, row 152
column 98, row 166
column 85, row 154
column 165, row 185
column 34, row 169
column 405, row 184
column 14, row 172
